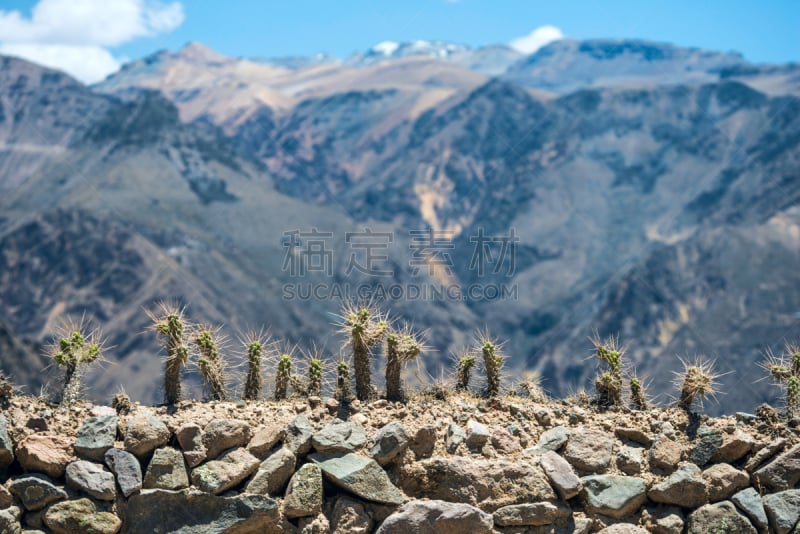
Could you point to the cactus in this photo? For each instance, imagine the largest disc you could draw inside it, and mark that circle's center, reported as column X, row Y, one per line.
column 638, row 396
column 696, row 380
column 401, row 347
column 74, row 350
column 254, row 381
column 212, row 366
column 493, row 364
column 170, row 324
column 314, row 377
column 366, row 329
column 609, row 383
column 343, row 393
column 785, row 371
column 283, row 377
column 464, row 371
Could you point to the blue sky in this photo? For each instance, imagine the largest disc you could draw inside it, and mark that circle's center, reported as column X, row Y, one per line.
column 762, row 31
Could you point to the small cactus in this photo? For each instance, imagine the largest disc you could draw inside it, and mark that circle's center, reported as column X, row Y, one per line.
column 212, row 367
column 464, row 371
column 609, row 383
column 75, row 349
column 366, row 329
column 254, row 381
column 402, row 347
column 492, row 364
column 314, row 377
column 785, row 371
column 343, row 393
column 638, row 396
column 696, row 381
column 170, row 324
column 283, row 377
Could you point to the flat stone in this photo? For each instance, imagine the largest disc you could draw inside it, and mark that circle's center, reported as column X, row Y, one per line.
column 46, row 454
column 749, row 502
column 781, row 473
column 225, row 472
column 721, row 517
column 304, row 494
column 504, row 442
column 222, row 434
column 589, row 450
column 35, row 491
column 6, row 445
column 390, row 441
column 454, row 437
column 71, row 517
column 144, row 434
column 734, row 447
column 166, row 470
column 665, row 454
column 95, row 436
column 273, row 473
column 360, row 476
column 264, row 440
column 783, row 510
column 723, row 480
column 477, row 435
column 636, row 435
column 561, row 475
column 190, row 438
column 551, row 440
column 339, row 436
column 202, row 513
column 685, row 487
column 127, row 470
column 424, row 442
column 630, row 460
column 298, row 436
column 531, row 514
column 614, row 495
column 708, row 443
column 92, row 479
column 437, row 517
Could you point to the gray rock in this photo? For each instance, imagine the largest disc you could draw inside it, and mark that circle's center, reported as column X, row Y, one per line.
column 360, row 476
column 273, row 473
column 664, row 519
column 8, row 523
column 531, row 514
column 734, row 447
column 424, row 442
column 765, row 453
column 190, row 438
column 144, row 434
column 35, row 491
column 589, row 450
column 127, row 470
column 477, row 435
column 781, row 473
column 665, row 454
column 225, row 472
column 264, row 440
column 622, row 528
column 783, row 510
column 723, row 480
column 390, row 441
column 80, row 516
column 551, row 440
column 92, row 479
column 561, row 475
column 749, row 502
column 437, row 517
column 298, row 436
column 721, row 517
column 634, row 434
column 6, row 445
column 95, row 436
column 304, row 494
column 708, row 442
column 630, row 460
column 166, row 471
column 350, row 517
column 685, row 487
column 193, row 512
column 613, row 495
column 454, row 437
column 222, row 434
column 339, row 436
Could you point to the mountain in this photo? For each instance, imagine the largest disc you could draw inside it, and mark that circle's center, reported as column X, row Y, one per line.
column 662, row 208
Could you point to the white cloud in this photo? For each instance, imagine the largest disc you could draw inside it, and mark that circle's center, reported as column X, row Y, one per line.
column 528, row 44
column 74, row 35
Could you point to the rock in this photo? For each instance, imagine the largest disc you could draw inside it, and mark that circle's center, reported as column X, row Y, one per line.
column 663, row 520
column 390, row 441
column 613, row 495
column 144, row 433
column 636, row 435
column 531, row 514
column 749, row 502
column 723, row 480
column 622, row 528
column 477, row 435
column 190, row 438
column 225, row 472
column 360, row 476
column 45, row 454
column 71, row 517
column 273, row 473
column 298, row 436
column 455, row 437
column 721, row 517
column 6, row 498
column 339, row 436
column 561, row 475
column 424, row 441
column 551, row 440
column 665, row 454
column 264, row 440
column 783, row 510
column 166, row 470
column 504, row 442
column 201, row 513
column 706, row 446
column 92, row 479
column 685, row 487
column 127, row 470
column 781, row 473
column 630, row 460
column 223, row 434
column 304, row 494
column 764, row 454
column 314, row 525
column 350, row 516
column 589, row 450
column 437, row 517
column 95, row 436
column 6, row 445
column 35, row 491
column 734, row 447
column 8, row 523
